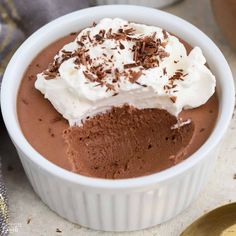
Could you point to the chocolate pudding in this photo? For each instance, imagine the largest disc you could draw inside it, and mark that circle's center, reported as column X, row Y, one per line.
column 122, row 142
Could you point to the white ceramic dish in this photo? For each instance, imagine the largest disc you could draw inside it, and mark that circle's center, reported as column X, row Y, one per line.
column 117, row 205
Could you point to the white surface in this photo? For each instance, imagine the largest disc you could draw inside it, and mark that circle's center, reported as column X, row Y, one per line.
column 76, row 97
column 24, row 204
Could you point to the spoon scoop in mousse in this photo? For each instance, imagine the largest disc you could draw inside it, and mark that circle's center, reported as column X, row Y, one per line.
column 127, row 142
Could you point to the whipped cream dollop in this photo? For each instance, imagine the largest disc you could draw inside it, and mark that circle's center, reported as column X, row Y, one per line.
column 116, row 62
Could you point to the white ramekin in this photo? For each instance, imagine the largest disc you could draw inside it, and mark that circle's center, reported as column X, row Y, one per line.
column 117, row 205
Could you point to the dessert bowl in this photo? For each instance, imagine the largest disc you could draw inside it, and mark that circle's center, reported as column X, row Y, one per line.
column 125, row 204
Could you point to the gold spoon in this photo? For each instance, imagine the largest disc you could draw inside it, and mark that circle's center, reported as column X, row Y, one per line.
column 219, row 222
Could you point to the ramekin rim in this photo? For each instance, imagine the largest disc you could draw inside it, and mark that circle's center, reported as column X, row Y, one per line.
column 21, row 142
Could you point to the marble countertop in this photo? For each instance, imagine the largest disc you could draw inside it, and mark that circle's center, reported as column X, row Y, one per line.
column 29, row 216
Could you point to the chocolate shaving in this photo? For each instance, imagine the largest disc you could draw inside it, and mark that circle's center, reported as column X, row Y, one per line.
column 102, row 33
column 110, row 87
column 53, row 67
column 120, row 30
column 121, row 46
column 99, row 84
column 99, row 72
column 73, row 33
column 108, row 34
column 108, row 71
column 173, row 99
column 98, row 37
column 131, row 65
column 119, row 36
column 166, row 87
column 164, row 71
column 177, row 76
column 129, row 31
column 83, row 37
column 83, row 59
column 135, row 55
column 117, row 76
column 49, row 75
column 66, row 52
column 146, row 50
column 88, row 35
column 143, row 47
column 89, row 76
column 143, row 85
column 165, row 34
column 154, row 35
column 163, row 53
column 134, row 76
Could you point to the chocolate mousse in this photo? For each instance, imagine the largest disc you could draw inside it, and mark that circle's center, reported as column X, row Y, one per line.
column 118, row 123
column 123, row 143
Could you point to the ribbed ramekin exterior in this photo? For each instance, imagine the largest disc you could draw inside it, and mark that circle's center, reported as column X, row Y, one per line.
column 114, row 209
column 148, row 3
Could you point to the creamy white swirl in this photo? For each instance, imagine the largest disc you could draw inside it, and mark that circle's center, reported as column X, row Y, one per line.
column 117, row 62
